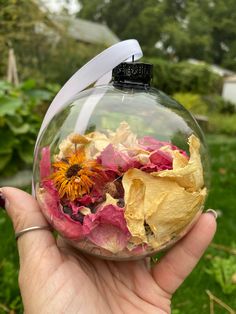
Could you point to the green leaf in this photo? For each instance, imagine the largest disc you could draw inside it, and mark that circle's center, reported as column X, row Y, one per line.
column 7, row 141
column 223, row 269
column 16, row 125
column 26, row 152
column 28, row 85
column 4, row 86
column 4, row 159
column 24, row 128
column 9, row 106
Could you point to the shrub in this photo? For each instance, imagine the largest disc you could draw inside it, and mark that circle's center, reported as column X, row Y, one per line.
column 20, row 119
column 219, row 123
column 217, row 104
column 185, row 77
column 192, row 102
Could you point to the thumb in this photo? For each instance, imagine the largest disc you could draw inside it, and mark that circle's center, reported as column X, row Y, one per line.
column 24, row 212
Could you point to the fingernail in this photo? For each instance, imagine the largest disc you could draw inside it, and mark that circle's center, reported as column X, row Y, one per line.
column 213, row 212
column 2, row 200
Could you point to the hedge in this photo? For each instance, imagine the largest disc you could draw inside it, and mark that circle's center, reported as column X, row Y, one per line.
column 172, row 77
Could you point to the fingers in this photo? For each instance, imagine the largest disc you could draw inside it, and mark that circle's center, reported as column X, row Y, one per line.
column 24, row 212
column 177, row 264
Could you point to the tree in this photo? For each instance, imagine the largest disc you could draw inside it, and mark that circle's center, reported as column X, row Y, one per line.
column 180, row 29
column 44, row 51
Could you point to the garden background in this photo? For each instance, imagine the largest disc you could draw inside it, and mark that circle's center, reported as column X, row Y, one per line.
column 38, row 54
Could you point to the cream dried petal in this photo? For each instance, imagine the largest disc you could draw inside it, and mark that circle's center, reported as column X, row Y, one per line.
column 159, row 202
column 142, row 158
column 98, row 144
column 189, row 176
column 66, row 149
column 179, row 160
column 77, row 138
column 134, row 209
column 85, row 211
column 110, row 200
column 123, row 135
column 173, row 212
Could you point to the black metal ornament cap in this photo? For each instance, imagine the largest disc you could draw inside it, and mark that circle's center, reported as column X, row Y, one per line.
column 132, row 73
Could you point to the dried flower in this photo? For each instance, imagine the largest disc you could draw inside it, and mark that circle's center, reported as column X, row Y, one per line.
column 74, row 176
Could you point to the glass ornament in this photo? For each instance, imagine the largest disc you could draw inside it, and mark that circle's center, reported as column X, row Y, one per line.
column 122, row 171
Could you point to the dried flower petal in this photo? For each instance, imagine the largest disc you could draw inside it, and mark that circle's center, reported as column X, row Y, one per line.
column 45, row 163
column 166, row 203
column 66, row 149
column 76, row 138
column 99, row 142
column 134, row 209
column 116, row 161
column 123, row 136
column 107, row 228
column 48, row 199
column 189, row 176
column 150, row 144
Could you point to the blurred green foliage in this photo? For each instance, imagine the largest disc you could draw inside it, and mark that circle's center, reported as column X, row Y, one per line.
column 172, row 29
column 221, row 114
column 172, row 77
column 222, row 270
column 8, row 289
column 192, row 102
column 222, row 123
column 21, row 110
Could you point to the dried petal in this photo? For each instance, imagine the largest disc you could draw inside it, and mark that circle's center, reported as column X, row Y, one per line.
column 66, row 149
column 134, row 209
column 160, row 158
column 99, row 143
column 77, row 138
column 159, row 202
column 150, row 144
column 110, row 200
column 116, row 161
column 189, row 176
column 48, row 199
column 107, row 228
column 124, row 136
column 45, row 163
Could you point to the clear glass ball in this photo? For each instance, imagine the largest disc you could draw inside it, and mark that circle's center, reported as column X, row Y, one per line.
column 122, row 172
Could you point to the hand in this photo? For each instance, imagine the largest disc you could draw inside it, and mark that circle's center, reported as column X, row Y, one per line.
column 54, row 278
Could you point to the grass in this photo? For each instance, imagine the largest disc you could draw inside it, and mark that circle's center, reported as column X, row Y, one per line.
column 191, row 297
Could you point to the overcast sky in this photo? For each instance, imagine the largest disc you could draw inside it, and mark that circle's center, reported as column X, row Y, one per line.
column 56, row 5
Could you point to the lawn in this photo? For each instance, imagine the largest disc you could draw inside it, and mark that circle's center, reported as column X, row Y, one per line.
column 191, row 298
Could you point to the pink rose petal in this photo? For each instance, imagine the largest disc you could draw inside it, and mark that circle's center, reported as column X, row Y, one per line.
column 149, row 167
column 116, row 161
column 51, row 208
column 107, row 228
column 160, row 158
column 151, row 144
column 45, row 163
column 108, row 237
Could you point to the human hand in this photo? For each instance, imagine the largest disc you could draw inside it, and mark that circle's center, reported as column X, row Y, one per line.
column 54, row 278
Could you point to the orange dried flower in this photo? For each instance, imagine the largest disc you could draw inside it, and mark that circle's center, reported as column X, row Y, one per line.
column 74, row 176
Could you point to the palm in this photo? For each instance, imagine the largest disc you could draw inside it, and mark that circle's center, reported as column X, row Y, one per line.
column 56, row 279
column 76, row 283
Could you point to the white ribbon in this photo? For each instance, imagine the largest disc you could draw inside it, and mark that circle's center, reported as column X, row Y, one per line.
column 96, row 70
